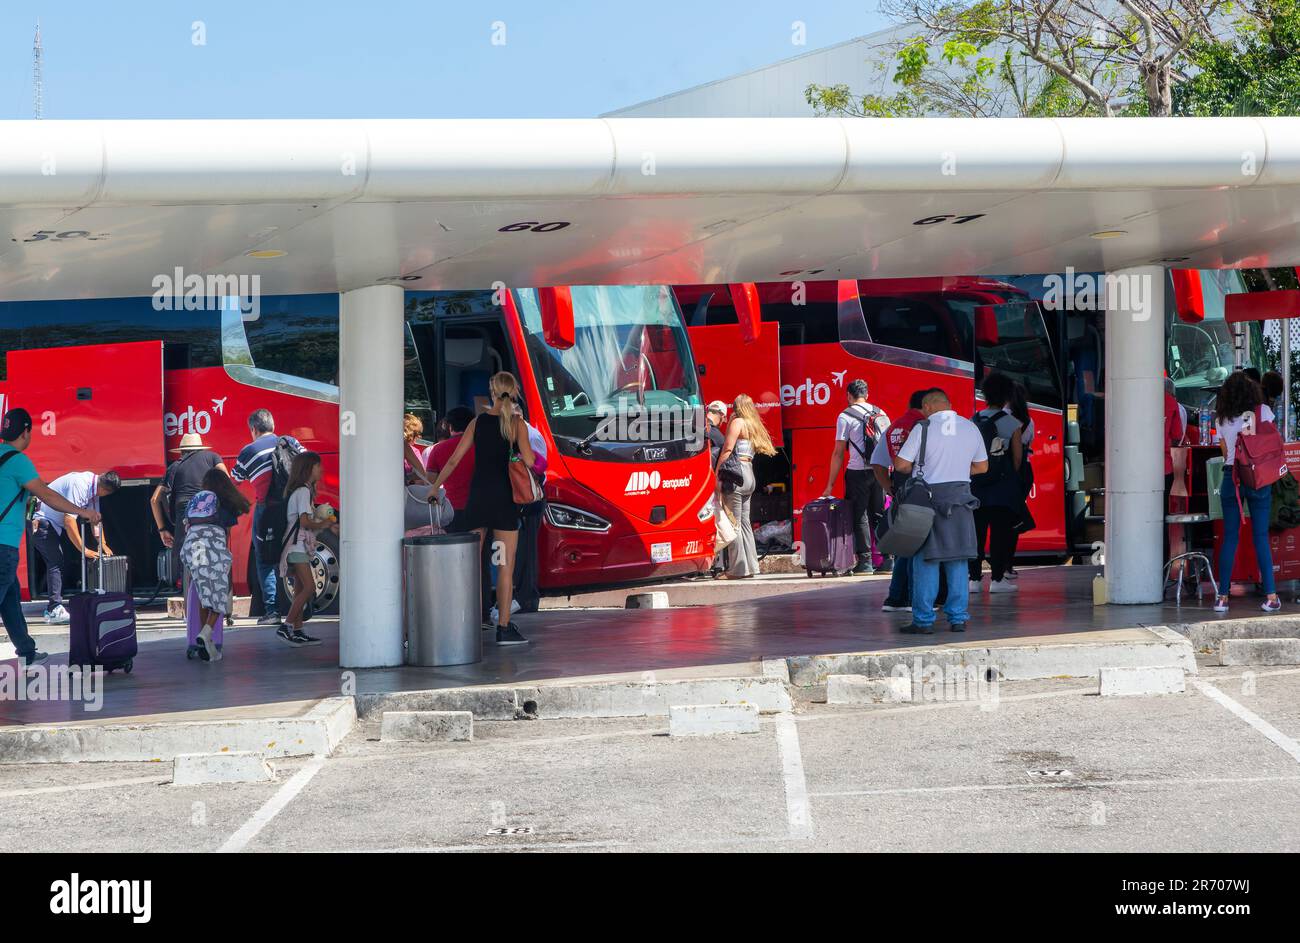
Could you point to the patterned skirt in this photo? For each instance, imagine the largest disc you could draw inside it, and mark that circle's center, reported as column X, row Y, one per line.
column 208, row 560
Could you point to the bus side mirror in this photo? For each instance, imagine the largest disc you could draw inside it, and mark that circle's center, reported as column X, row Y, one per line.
column 1188, row 300
column 557, row 317
column 986, row 326
column 744, row 296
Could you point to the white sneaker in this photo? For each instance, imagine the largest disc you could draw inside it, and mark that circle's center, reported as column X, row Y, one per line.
column 975, row 585
column 57, row 616
column 514, row 607
column 1220, row 603
column 1271, row 606
column 1003, row 586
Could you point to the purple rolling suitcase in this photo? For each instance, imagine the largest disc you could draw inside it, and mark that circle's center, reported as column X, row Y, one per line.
column 102, row 626
column 828, row 536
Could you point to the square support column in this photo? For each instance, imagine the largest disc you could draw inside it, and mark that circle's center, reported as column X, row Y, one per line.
column 371, row 394
column 1135, row 410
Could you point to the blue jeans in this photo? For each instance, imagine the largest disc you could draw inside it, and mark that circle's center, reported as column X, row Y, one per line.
column 1259, row 502
column 266, row 577
column 900, row 583
column 925, row 589
column 11, row 603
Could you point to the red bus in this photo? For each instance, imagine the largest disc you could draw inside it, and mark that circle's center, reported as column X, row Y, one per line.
column 906, row 334
column 899, row 335
column 114, row 383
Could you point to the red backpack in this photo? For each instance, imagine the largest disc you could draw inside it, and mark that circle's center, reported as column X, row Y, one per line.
column 1259, row 458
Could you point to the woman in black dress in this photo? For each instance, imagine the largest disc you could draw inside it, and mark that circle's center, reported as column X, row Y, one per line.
column 494, row 434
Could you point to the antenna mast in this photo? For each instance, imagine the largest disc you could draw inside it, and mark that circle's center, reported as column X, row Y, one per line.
column 38, row 80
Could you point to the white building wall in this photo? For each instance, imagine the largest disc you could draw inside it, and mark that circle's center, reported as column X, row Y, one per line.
column 777, row 90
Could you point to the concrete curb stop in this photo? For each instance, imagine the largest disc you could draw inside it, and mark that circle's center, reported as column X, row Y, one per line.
column 482, row 703
column 205, row 769
column 704, row 720
column 1206, row 636
column 1129, row 682
column 427, row 726
column 1161, row 648
column 586, row 699
column 856, row 689
column 1259, row 651
column 316, row 732
column 657, row 600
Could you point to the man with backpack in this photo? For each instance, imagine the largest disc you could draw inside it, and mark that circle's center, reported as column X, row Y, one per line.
column 1000, row 490
column 857, row 430
column 18, row 479
column 265, row 462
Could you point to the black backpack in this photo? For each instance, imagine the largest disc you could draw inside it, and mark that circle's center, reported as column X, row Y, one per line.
column 275, row 516
column 1002, row 467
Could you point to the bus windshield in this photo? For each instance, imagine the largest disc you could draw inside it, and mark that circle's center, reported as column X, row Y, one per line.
column 630, row 355
column 1201, row 355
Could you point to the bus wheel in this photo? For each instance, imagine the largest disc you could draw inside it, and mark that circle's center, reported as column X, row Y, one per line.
column 325, row 572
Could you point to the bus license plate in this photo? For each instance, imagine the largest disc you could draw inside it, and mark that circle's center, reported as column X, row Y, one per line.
column 661, row 553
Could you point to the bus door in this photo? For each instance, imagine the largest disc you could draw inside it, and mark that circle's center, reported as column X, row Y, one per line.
column 728, row 366
column 1012, row 338
column 99, row 408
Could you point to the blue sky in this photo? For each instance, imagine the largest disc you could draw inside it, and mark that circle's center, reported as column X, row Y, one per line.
column 393, row 58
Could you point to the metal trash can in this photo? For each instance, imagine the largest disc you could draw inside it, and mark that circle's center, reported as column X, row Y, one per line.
column 441, row 600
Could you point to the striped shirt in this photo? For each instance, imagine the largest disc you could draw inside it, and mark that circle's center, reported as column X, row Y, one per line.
column 254, row 462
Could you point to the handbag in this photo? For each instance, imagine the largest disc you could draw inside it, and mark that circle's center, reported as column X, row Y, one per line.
column 419, row 513
column 727, row 531
column 523, row 484
column 730, row 474
column 907, row 524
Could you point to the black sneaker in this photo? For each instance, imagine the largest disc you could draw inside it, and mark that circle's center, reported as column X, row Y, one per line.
column 285, row 634
column 957, row 627
column 509, row 635
column 35, row 659
column 887, row 566
column 913, row 629
column 302, row 638
column 896, row 605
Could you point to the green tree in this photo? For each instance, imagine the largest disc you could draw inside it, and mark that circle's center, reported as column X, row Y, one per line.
column 1254, row 72
column 1035, row 57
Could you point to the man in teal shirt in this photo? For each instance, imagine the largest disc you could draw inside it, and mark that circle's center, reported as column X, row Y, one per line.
column 18, row 479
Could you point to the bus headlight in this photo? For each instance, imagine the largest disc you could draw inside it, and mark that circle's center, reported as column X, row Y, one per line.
column 571, row 518
column 706, row 512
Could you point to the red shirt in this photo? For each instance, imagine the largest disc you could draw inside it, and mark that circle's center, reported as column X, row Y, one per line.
column 457, row 483
column 899, row 430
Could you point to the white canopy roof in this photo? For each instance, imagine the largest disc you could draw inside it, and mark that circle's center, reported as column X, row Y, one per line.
column 100, row 208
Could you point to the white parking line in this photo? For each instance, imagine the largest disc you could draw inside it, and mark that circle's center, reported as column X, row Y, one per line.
column 796, row 787
column 102, row 784
column 1250, row 717
column 273, row 806
column 1066, row 784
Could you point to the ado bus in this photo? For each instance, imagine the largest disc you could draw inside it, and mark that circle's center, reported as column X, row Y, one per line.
column 114, row 384
column 904, row 334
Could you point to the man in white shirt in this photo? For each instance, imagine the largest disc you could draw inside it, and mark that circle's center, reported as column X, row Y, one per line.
column 857, row 431
column 954, row 450
column 83, row 489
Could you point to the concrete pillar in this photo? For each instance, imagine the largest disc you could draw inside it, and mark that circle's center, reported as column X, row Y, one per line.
column 1135, row 465
column 371, row 335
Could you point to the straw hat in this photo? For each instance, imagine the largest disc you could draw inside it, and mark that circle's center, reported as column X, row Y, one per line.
column 190, row 442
